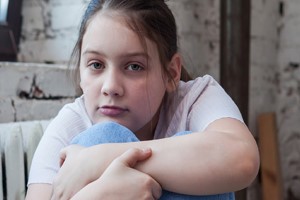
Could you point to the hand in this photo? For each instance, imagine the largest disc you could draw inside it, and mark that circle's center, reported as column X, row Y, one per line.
column 121, row 181
column 75, row 172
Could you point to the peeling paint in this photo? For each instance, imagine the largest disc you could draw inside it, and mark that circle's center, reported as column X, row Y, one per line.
column 281, row 8
column 26, row 97
column 14, row 110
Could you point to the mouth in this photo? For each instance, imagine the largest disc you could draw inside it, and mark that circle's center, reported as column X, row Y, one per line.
column 112, row 111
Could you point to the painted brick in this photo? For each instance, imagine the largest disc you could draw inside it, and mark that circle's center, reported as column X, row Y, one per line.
column 28, row 110
column 35, row 81
column 7, row 111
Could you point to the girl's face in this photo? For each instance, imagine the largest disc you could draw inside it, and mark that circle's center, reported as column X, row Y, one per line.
column 120, row 81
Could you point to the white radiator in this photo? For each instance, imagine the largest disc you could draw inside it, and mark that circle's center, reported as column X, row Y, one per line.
column 18, row 142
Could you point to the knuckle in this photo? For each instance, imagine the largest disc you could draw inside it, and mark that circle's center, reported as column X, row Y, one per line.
column 58, row 191
column 133, row 150
column 147, row 181
column 148, row 196
column 63, row 151
column 55, row 181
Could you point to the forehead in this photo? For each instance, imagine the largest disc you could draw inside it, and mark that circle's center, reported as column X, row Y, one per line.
column 112, row 30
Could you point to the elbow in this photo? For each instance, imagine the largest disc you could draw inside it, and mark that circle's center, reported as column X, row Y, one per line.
column 249, row 170
column 248, row 166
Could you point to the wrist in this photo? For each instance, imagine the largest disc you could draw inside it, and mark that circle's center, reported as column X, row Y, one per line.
column 98, row 158
column 94, row 163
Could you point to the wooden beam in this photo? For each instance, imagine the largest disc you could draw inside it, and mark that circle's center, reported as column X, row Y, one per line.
column 14, row 18
column 270, row 163
column 234, row 56
column 234, row 51
column 10, row 31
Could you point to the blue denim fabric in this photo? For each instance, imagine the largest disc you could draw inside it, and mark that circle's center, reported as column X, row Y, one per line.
column 111, row 132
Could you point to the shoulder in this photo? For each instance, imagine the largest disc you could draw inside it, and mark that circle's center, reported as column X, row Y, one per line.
column 197, row 85
column 76, row 107
column 179, row 108
column 187, row 93
column 192, row 90
column 210, row 102
column 196, row 104
column 73, row 111
column 70, row 121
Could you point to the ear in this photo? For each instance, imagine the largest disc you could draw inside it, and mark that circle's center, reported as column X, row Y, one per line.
column 174, row 69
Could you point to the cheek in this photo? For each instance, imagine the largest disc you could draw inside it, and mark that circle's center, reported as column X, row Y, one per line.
column 85, row 81
column 90, row 99
column 81, row 84
column 88, row 89
column 82, row 79
column 158, row 83
column 156, row 92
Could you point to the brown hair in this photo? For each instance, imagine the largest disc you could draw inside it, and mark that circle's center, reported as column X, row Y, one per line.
column 148, row 18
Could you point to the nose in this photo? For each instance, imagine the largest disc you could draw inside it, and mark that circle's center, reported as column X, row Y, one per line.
column 112, row 84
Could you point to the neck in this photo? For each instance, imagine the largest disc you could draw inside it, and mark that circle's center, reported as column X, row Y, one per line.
column 147, row 131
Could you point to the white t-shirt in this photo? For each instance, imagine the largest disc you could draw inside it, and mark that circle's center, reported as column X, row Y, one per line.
column 192, row 107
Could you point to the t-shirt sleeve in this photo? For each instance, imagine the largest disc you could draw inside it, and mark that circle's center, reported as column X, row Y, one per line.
column 68, row 123
column 213, row 103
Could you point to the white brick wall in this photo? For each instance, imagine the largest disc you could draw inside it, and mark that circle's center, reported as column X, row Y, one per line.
column 33, row 91
column 263, row 59
column 198, row 29
column 288, row 108
column 275, row 80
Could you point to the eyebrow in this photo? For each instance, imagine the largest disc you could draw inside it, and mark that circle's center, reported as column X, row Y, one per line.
column 133, row 54
column 91, row 51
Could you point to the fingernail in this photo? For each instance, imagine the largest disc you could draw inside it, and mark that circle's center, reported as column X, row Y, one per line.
column 147, row 149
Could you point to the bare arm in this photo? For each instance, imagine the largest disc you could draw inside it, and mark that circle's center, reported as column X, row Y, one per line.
column 39, row 191
column 223, row 158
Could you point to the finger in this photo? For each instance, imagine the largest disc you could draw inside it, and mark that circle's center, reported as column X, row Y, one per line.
column 62, row 156
column 67, row 151
column 132, row 156
column 52, row 197
column 156, row 190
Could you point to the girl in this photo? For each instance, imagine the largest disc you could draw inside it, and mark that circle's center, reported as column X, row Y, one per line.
column 129, row 69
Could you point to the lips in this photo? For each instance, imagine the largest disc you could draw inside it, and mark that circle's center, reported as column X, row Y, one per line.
column 112, row 111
